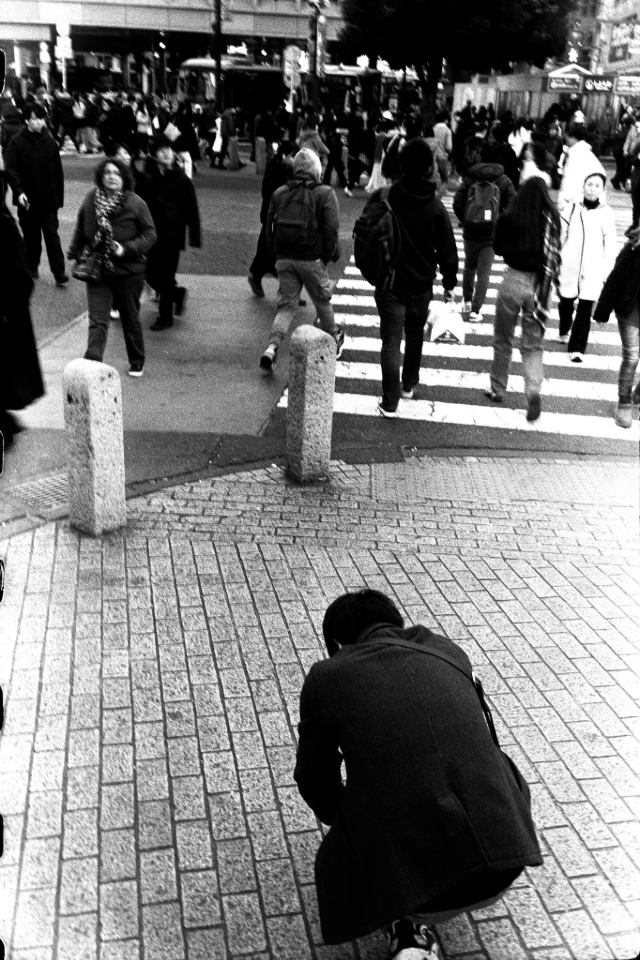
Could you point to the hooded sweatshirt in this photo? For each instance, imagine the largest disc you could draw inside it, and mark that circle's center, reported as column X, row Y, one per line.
column 479, row 172
column 307, row 171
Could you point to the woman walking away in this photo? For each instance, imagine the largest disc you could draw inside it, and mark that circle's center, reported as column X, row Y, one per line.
column 621, row 293
column 115, row 229
column 587, row 255
column 527, row 236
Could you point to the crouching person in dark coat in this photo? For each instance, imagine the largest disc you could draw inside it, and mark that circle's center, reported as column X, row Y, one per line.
column 433, row 818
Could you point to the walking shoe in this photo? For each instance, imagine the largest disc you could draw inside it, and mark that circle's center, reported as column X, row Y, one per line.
column 268, row 358
column 412, row 940
column 623, row 415
column 339, row 338
column 161, row 324
column 615, row 184
column 534, row 408
column 391, row 414
column 348, row 192
column 577, row 357
column 179, row 298
column 475, row 315
column 114, row 315
column 493, row 396
column 136, row 369
column 62, row 280
column 563, row 338
column 256, row 286
column 408, row 393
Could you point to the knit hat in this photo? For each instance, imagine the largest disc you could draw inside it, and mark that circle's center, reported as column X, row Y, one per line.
column 307, row 162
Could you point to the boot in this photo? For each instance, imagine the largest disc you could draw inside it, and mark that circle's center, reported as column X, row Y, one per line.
column 624, row 415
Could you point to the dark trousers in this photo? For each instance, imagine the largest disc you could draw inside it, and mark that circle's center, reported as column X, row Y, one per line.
column 478, row 260
column 579, row 325
column 335, row 161
column 124, row 295
column 35, row 224
column 262, row 262
column 356, row 169
column 401, row 313
column 162, row 265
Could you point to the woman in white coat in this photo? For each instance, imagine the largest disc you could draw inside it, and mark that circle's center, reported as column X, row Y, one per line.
column 588, row 252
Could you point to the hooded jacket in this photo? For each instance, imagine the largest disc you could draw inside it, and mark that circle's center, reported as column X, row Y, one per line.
column 580, row 163
column 426, row 237
column 33, row 165
column 621, row 291
column 307, row 170
column 432, row 813
column 588, row 249
column 479, row 172
column 173, row 204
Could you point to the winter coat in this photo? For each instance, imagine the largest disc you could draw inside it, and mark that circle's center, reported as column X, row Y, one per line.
column 132, row 227
column 276, row 175
column 479, row 172
column 326, row 247
column 174, row 206
column 33, row 165
column 430, row 804
column 11, row 121
column 579, row 164
column 588, row 250
column 442, row 133
column 508, row 244
column 621, row 291
column 310, row 140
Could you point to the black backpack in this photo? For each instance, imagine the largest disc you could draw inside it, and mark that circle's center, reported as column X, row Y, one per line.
column 295, row 221
column 376, row 242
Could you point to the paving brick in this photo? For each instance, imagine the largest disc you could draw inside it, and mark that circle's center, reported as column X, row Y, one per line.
column 117, row 855
column 80, row 833
column 267, row 835
column 235, row 865
column 556, row 892
column 162, row 932
column 154, row 824
column 500, row 940
column 531, row 918
column 287, row 938
column 158, row 876
column 278, row 887
column 459, row 935
column 83, row 785
column 151, row 780
column 243, row 921
column 257, row 790
column 606, row 800
column 79, row 886
column 227, row 816
column 35, row 918
column 620, row 870
column 570, row 852
column 304, row 847
column 610, row 914
column 116, row 806
column 200, row 899
column 47, row 771
column 39, row 863
column 206, row 945
column 117, row 763
column 45, row 814
column 194, row 845
column 295, row 813
column 582, row 935
column 77, row 937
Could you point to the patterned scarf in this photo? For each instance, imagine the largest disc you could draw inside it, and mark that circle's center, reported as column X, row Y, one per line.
column 549, row 271
column 106, row 208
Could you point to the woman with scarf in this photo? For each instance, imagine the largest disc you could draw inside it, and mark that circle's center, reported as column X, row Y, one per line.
column 115, row 225
column 527, row 236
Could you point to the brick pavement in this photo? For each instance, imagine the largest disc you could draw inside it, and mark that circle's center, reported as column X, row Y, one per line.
column 153, row 680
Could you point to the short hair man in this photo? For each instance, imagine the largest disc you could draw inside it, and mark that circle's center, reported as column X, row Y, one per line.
column 433, row 819
column 34, row 171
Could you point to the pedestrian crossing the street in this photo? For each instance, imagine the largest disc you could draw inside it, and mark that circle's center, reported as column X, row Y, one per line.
column 578, row 399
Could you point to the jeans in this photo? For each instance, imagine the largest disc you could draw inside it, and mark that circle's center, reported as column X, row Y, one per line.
column 292, row 276
column 401, row 313
column 478, row 259
column 630, row 337
column 514, row 297
column 35, row 224
column 124, row 294
column 162, row 264
column 580, row 325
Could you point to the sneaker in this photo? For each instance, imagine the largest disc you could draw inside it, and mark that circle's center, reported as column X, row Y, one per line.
column 577, row 357
column 179, row 298
column 563, row 338
column 114, row 314
column 408, row 393
column 475, row 315
column 256, row 286
column 161, row 324
column 348, row 192
column 62, row 280
column 339, row 338
column 268, row 358
column 391, row 414
column 623, row 415
column 415, row 940
column 136, row 369
column 493, row 396
column 534, row 408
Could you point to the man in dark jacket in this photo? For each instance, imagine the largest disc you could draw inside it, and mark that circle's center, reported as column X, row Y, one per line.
column 174, row 207
column 426, row 243
column 278, row 172
column 485, row 179
column 302, row 237
column 433, row 819
column 34, row 170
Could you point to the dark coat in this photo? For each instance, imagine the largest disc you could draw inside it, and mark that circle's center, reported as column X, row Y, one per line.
column 430, row 803
column 20, row 374
column 132, row 227
column 621, row 291
column 492, row 173
column 174, row 207
column 33, row 166
column 276, row 175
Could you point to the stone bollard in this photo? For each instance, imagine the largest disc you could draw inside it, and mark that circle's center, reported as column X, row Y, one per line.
column 234, row 154
column 312, row 372
column 261, row 155
column 95, row 446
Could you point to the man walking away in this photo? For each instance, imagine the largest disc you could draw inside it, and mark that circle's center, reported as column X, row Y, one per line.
column 35, row 174
column 482, row 195
column 302, row 236
column 174, row 207
column 426, row 242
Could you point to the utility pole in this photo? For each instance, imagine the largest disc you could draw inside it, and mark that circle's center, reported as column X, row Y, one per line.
column 217, row 26
column 316, row 47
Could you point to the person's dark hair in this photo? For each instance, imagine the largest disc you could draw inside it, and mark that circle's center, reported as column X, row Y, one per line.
column 490, row 152
column 577, row 131
column 527, row 211
column 427, row 130
column 499, row 133
column 34, row 109
column 442, row 116
column 416, row 159
column 125, row 172
column 158, row 142
column 352, row 613
column 285, row 149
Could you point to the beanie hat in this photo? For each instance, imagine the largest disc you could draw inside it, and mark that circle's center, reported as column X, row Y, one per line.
column 307, row 162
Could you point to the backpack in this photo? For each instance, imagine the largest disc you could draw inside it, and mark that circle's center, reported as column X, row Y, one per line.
column 483, row 203
column 295, row 221
column 376, row 242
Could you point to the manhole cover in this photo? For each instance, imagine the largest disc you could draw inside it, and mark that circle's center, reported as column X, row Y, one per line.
column 43, row 495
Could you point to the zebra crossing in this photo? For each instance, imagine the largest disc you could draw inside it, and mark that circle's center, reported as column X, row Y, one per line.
column 578, row 399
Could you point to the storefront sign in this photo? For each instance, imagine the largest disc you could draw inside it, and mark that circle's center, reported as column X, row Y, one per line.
column 628, row 85
column 568, row 83
column 623, row 36
column 599, row 84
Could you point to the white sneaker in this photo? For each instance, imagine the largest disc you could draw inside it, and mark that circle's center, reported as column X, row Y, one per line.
column 268, row 358
column 409, row 394
column 564, row 338
column 348, row 192
column 115, row 314
column 391, row 414
column 475, row 315
column 577, row 357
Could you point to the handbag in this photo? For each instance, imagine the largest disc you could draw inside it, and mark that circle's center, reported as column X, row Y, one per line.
column 171, row 132
column 88, row 267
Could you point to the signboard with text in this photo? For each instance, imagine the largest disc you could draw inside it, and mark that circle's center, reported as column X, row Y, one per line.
column 567, row 84
column 623, row 39
column 599, row 84
column 628, row 85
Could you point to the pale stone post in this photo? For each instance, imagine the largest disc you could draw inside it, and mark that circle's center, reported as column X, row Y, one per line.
column 95, row 446
column 312, row 372
column 234, row 155
column 261, row 155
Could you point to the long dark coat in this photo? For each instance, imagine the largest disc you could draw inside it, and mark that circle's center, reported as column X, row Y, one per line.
column 430, row 802
column 20, row 374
